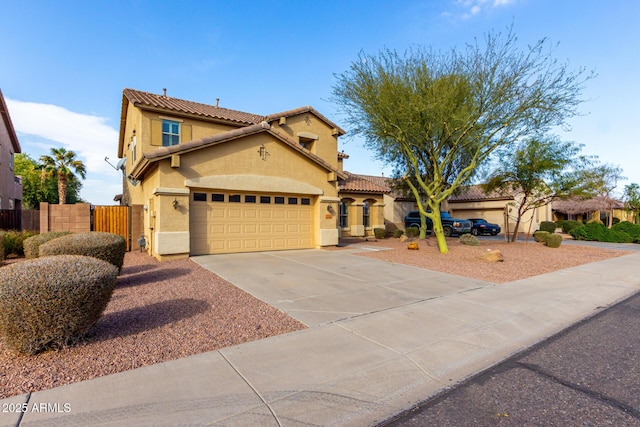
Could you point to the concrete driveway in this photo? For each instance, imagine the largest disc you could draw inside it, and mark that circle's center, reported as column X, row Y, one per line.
column 318, row 286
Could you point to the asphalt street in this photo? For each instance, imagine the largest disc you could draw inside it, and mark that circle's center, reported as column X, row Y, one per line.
column 587, row 375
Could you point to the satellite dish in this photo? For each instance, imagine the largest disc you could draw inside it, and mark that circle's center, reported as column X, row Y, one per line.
column 121, row 163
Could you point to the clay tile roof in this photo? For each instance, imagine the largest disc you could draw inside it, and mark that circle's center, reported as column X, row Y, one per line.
column 4, row 112
column 578, row 206
column 476, row 192
column 302, row 110
column 362, row 184
column 151, row 100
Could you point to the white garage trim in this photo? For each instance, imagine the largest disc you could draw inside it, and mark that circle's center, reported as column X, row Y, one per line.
column 253, row 183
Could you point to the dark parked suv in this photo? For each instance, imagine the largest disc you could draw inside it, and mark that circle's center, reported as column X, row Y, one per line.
column 412, row 219
column 481, row 226
column 450, row 225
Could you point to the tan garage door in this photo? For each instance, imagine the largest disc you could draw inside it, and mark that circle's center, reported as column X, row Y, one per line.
column 244, row 222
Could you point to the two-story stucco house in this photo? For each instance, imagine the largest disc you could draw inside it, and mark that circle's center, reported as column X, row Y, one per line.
column 216, row 180
column 10, row 185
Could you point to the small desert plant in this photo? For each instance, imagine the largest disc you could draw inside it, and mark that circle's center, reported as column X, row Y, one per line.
column 32, row 244
column 540, row 236
column 105, row 246
column 380, row 233
column 553, row 240
column 468, row 239
column 397, row 233
column 54, row 301
column 548, row 226
column 412, row 232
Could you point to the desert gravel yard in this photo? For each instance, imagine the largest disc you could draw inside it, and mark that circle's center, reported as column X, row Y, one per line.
column 521, row 260
column 164, row 311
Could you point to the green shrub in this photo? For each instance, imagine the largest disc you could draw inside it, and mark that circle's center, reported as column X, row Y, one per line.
column 397, row 233
column 540, row 236
column 13, row 242
column 105, row 246
column 590, row 231
column 553, row 240
column 569, row 225
column 412, row 232
column 54, row 301
column 380, row 233
column 630, row 228
column 615, row 220
column 32, row 244
column 1, row 246
column 468, row 239
column 620, row 233
column 548, row 226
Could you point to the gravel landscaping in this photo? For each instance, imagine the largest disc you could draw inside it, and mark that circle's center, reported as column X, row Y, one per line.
column 164, row 311
column 521, row 260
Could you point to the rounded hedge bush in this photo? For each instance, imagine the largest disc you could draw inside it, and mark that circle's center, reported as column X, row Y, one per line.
column 590, row 231
column 105, row 246
column 32, row 244
column 569, row 225
column 553, row 240
column 412, row 232
column 540, row 236
column 630, row 228
column 548, row 226
column 470, row 240
column 54, row 301
column 397, row 233
column 380, row 233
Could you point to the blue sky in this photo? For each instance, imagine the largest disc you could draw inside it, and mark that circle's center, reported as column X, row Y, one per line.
column 64, row 64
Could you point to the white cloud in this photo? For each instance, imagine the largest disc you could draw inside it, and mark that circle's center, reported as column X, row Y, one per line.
column 43, row 126
column 475, row 7
column 87, row 135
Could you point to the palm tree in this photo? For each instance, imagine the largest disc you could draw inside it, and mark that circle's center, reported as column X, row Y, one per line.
column 59, row 164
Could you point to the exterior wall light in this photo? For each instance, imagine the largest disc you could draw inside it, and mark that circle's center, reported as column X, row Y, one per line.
column 175, row 203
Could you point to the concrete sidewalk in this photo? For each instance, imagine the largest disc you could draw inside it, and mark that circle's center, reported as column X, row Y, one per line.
column 382, row 338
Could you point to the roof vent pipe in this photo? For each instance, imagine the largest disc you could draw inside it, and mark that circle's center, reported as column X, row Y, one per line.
column 164, row 92
column 217, row 101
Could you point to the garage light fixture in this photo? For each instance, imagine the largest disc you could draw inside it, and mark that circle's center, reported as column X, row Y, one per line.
column 175, row 203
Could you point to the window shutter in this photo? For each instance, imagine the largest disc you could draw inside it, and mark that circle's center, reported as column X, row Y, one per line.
column 156, row 132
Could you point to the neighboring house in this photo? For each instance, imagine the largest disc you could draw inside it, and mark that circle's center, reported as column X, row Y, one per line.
column 595, row 209
column 362, row 205
column 216, row 180
column 10, row 185
column 496, row 207
column 380, row 190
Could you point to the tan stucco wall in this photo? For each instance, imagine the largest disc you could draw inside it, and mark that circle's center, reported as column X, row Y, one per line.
column 167, row 227
column 9, row 188
column 494, row 211
column 356, row 203
column 326, row 146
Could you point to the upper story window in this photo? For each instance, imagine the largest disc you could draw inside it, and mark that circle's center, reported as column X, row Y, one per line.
column 11, row 160
column 170, row 133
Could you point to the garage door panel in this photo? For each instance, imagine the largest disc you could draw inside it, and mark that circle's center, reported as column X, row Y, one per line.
column 222, row 227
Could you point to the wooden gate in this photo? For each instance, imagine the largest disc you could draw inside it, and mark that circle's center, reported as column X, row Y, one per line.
column 113, row 219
